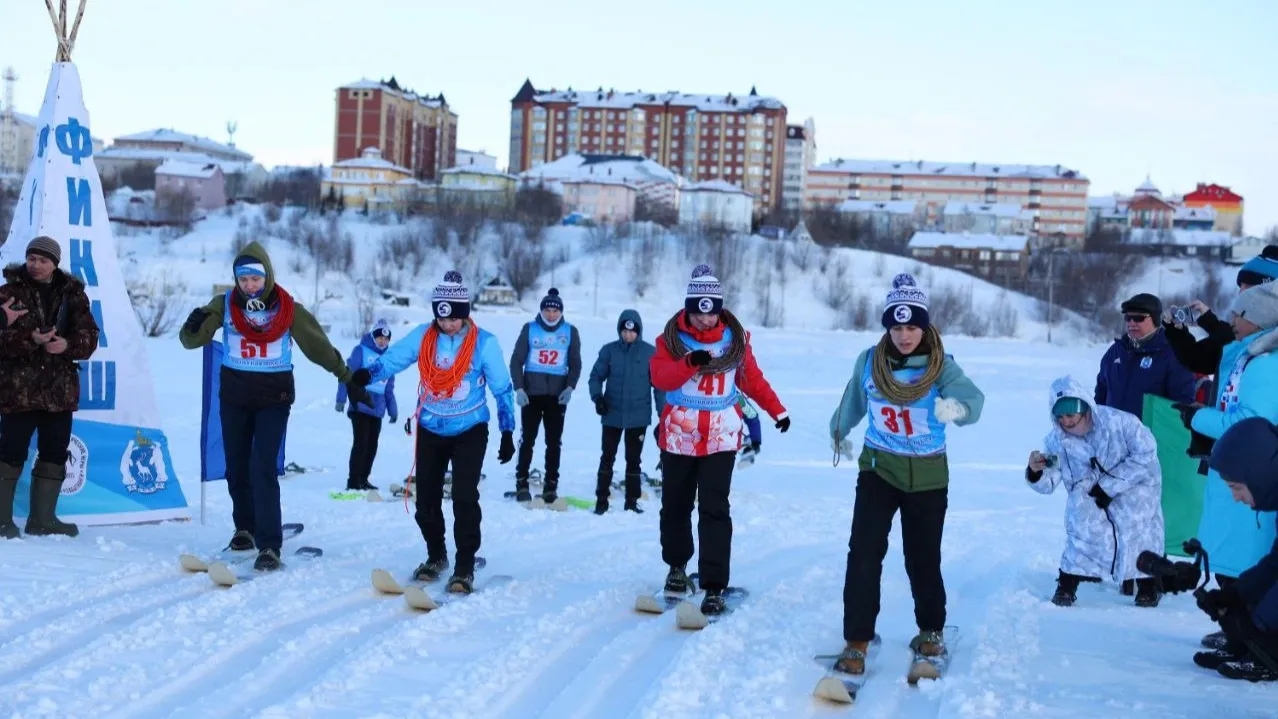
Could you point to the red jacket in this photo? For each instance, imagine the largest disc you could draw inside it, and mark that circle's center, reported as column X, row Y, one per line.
column 698, row 432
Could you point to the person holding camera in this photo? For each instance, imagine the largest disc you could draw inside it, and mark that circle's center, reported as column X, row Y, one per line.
column 1108, row 462
column 1246, row 459
column 1246, row 386
column 1203, row 355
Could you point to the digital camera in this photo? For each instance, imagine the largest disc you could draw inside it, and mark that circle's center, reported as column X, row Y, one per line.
column 1183, row 315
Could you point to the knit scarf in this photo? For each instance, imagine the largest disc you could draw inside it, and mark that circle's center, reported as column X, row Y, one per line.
column 898, row 392
column 730, row 359
column 274, row 328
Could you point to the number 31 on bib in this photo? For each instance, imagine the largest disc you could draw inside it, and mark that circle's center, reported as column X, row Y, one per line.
column 899, row 421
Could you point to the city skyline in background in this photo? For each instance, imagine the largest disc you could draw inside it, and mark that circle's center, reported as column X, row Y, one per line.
column 1119, row 93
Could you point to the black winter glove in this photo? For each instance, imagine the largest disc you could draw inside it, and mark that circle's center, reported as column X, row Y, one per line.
column 392, row 419
column 1102, row 499
column 783, row 424
column 1187, row 412
column 358, row 395
column 601, row 406
column 194, row 320
column 408, row 426
column 507, row 450
column 699, row 358
column 362, row 377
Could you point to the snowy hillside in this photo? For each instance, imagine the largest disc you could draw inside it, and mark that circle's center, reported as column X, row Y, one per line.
column 768, row 283
column 107, row 625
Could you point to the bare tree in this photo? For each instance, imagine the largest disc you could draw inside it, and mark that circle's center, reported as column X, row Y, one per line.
column 157, row 304
column 176, row 207
column 523, row 267
column 365, row 304
column 650, row 210
column 644, row 250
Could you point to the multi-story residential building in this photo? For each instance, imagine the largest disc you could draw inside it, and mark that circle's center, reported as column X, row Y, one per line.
column 410, row 130
column 739, row 139
column 152, row 148
column 467, row 158
column 1002, row 258
column 1227, row 204
column 653, row 182
column 603, row 199
column 204, row 184
column 886, row 218
column 800, row 154
column 477, row 185
column 716, row 203
column 1056, row 196
column 369, row 181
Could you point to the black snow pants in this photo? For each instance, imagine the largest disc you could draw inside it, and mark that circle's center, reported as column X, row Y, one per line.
column 466, row 454
column 705, row 482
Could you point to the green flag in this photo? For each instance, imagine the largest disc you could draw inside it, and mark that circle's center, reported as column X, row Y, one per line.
column 1182, row 484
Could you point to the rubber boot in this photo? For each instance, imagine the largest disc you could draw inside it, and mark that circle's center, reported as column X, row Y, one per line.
column 46, row 487
column 8, row 490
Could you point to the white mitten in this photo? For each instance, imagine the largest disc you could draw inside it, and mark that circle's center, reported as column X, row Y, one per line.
column 949, row 410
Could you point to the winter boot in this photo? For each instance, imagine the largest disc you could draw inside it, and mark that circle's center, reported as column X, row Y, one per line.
column 852, row 659
column 521, row 490
column 1066, row 590
column 929, row 643
column 713, row 603
column 46, row 486
column 429, row 570
column 241, row 541
column 603, row 485
column 1249, row 669
column 1216, row 657
column 601, row 506
column 268, row 560
column 1128, row 587
column 550, row 490
column 1215, row 640
column 1147, row 594
column 461, row 584
column 677, row 581
column 8, row 489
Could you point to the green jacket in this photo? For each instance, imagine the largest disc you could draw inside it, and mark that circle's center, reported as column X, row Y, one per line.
column 305, row 331
column 910, row 474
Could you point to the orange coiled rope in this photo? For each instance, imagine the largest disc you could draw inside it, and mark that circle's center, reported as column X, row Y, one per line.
column 436, row 382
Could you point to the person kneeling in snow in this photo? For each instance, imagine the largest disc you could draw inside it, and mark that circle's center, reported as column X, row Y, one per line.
column 1246, row 458
column 1108, row 462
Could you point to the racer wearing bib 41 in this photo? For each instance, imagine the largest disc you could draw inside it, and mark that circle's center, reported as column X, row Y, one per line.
column 456, row 361
column 259, row 323
column 911, row 389
column 703, row 357
column 545, row 365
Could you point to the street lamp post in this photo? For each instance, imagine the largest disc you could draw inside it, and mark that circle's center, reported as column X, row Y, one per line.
column 1051, row 287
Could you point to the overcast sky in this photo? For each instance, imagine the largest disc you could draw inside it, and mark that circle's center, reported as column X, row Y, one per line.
column 1184, row 91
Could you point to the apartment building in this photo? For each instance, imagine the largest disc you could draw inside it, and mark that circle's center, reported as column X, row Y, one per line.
column 1054, row 195
column 409, row 130
column 800, row 154
column 738, row 139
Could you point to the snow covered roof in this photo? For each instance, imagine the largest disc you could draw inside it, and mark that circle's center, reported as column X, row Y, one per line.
column 161, row 157
column 1107, row 201
column 178, row 168
column 195, row 141
column 600, row 180
column 366, row 84
column 371, row 159
column 574, row 166
column 893, row 207
column 476, row 170
column 1204, row 213
column 969, row 241
column 998, row 209
column 948, row 169
column 1182, row 238
column 715, row 186
column 1148, row 188
column 626, row 100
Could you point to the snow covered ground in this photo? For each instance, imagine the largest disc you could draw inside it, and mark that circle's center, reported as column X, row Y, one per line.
column 107, row 625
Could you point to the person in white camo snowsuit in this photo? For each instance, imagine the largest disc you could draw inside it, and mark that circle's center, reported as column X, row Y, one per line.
column 1108, row 462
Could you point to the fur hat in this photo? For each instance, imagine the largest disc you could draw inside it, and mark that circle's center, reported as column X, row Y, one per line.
column 451, row 298
column 906, row 304
column 1258, row 305
column 552, row 300
column 46, row 247
column 705, row 293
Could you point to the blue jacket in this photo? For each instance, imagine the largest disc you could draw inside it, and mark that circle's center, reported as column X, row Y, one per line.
column 466, row 406
column 1129, row 371
column 623, row 368
column 365, row 353
column 1248, row 453
column 1233, row 534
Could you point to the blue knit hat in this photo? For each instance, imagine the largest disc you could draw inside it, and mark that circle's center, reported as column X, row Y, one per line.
column 552, row 301
column 906, row 304
column 705, row 293
column 451, row 298
column 1260, row 269
column 380, row 329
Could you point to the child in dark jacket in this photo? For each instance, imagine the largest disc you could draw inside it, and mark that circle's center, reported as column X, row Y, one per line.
column 366, row 419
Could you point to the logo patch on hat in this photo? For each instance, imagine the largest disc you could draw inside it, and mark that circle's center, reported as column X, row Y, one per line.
column 443, row 309
column 903, row 313
column 706, row 305
column 630, row 325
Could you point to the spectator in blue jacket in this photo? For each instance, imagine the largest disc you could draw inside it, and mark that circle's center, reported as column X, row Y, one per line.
column 1246, row 458
column 621, row 388
column 366, row 419
column 1141, row 362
